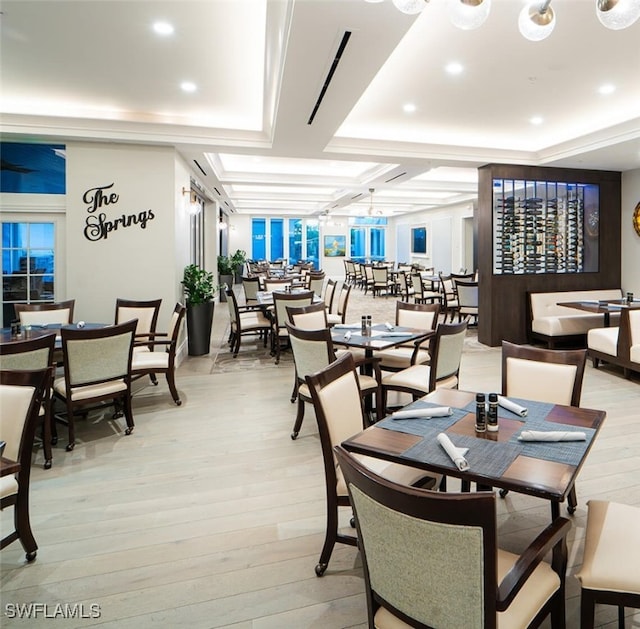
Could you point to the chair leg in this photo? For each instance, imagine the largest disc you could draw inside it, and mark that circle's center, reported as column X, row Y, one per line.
column 128, row 414
column 299, row 417
column 46, row 436
column 72, row 429
column 587, row 609
column 171, row 382
column 329, row 540
column 154, row 380
column 572, row 500
column 23, row 525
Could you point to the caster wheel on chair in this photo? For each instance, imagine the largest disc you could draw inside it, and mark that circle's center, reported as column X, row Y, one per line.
column 48, row 464
column 54, row 441
column 70, row 447
column 503, row 493
column 31, row 556
column 128, row 431
column 320, row 568
column 352, row 522
column 294, row 435
column 571, row 510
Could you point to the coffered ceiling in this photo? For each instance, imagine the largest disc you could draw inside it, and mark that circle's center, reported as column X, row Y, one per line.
column 302, row 107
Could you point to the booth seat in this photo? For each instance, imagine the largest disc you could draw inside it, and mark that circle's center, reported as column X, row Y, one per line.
column 617, row 345
column 553, row 324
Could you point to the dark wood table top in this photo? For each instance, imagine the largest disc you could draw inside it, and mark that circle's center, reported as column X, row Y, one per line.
column 380, row 338
column 547, row 479
column 7, row 467
column 606, row 306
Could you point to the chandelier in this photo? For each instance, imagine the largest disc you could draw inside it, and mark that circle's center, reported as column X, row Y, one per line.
column 537, row 19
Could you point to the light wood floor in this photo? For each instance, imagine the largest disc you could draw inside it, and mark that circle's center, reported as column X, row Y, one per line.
column 209, row 515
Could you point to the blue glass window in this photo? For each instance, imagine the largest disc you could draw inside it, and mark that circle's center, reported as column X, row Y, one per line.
column 313, row 243
column 377, row 236
column 358, row 244
column 258, row 238
column 277, row 239
column 295, row 240
column 33, row 168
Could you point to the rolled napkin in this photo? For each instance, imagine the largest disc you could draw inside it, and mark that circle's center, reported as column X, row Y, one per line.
column 423, row 413
column 512, row 406
column 347, row 335
column 347, row 326
column 553, row 435
column 394, row 334
column 388, row 326
column 455, row 454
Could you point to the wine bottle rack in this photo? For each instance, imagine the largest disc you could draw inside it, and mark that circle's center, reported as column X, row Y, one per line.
column 541, row 227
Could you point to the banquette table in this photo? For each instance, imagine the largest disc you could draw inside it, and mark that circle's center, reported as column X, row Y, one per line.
column 546, row 470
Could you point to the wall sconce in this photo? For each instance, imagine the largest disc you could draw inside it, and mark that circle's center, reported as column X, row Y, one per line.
column 221, row 224
column 193, row 206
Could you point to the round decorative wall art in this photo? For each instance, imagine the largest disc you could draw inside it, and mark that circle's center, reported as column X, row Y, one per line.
column 636, row 219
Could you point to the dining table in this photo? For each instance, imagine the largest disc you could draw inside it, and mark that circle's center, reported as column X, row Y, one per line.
column 601, row 307
column 544, row 469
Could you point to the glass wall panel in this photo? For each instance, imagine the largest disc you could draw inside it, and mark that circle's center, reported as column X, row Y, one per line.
column 33, row 168
column 377, row 238
column 277, row 239
column 358, row 244
column 295, row 240
column 259, row 239
column 313, row 243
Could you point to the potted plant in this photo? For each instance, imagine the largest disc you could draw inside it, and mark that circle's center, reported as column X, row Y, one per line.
column 199, row 292
column 225, row 275
column 237, row 262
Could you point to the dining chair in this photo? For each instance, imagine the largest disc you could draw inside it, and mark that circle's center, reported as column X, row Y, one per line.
column 329, row 294
column 382, row 281
column 251, row 286
column 609, row 572
column 340, row 314
column 316, row 283
column 422, row 294
column 544, row 375
column 349, row 272
column 279, row 334
column 312, row 317
column 97, row 368
column 410, row 315
column 448, row 297
column 432, row 559
column 446, row 354
column 312, row 351
column 162, row 357
column 21, row 397
column 59, row 313
column 367, row 277
column 146, row 313
column 271, row 284
column 244, row 321
column 30, row 355
column 468, row 300
column 404, row 288
column 337, row 401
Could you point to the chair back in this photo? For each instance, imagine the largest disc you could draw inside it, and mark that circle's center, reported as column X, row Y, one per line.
column 60, row 313
column 368, row 272
column 446, row 354
column 403, row 284
column 232, row 305
column 329, row 293
column 275, row 284
column 545, row 375
column 313, row 317
column 337, row 401
column 113, row 344
column 429, row 557
column 251, row 286
column 420, row 316
column 380, row 275
column 29, row 354
column 177, row 317
column 312, row 350
column 316, row 283
column 467, row 293
column 21, row 395
column 146, row 312
column 282, row 300
column 418, row 286
column 343, row 300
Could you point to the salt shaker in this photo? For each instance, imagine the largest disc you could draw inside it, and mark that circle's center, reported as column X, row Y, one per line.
column 492, row 414
column 481, row 413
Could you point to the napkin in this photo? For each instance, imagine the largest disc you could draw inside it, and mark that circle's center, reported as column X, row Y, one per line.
column 455, row 454
column 426, row 413
column 347, row 335
column 394, row 334
column 388, row 326
column 512, row 406
column 347, row 326
column 553, row 435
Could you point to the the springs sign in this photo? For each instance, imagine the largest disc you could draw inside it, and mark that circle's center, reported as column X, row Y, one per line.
column 97, row 225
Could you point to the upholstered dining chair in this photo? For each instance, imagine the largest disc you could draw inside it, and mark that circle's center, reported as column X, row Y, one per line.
column 609, row 572
column 60, row 313
column 279, row 334
column 21, row 395
column 468, row 300
column 162, row 357
column 329, row 293
column 446, row 354
column 244, row 321
column 146, row 313
column 410, row 315
column 340, row 314
column 312, row 351
column 312, row 317
column 276, row 284
column 336, row 398
column 432, row 559
column 97, row 368
column 251, row 286
column 422, row 294
column 382, row 281
column 405, row 287
column 316, row 283
column 31, row 355
column 544, row 375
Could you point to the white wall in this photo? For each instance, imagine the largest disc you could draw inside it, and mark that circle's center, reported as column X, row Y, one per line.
column 132, row 262
column 630, row 240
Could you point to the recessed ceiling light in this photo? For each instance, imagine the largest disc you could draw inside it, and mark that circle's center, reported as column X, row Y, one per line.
column 163, row 28
column 607, row 88
column 454, row 68
column 536, row 120
column 188, row 86
column 408, row 108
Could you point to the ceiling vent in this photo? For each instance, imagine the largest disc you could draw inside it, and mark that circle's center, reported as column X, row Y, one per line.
column 396, row 177
column 195, row 161
column 332, row 70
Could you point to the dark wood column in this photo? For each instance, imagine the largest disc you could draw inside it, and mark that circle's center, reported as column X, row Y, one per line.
column 503, row 298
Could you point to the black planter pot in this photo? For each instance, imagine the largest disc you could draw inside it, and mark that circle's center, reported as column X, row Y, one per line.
column 228, row 280
column 199, row 322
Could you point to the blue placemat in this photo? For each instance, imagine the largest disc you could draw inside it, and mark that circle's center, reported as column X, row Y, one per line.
column 485, row 457
column 536, row 409
column 422, row 426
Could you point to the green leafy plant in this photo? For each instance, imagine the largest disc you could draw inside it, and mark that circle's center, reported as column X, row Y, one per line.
column 225, row 267
column 238, row 259
column 198, row 285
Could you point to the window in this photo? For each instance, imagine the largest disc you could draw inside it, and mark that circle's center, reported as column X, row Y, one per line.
column 358, row 244
column 313, row 243
column 27, row 265
column 33, row 168
column 259, row 239
column 377, row 239
column 295, row 240
column 277, row 239
column 368, row 238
